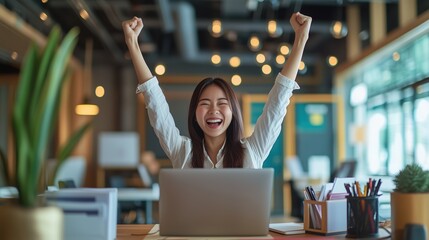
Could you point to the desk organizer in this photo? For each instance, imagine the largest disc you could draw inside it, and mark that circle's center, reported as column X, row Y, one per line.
column 325, row 217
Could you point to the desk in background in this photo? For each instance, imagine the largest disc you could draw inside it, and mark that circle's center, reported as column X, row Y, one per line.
column 147, row 195
column 140, row 231
column 134, row 194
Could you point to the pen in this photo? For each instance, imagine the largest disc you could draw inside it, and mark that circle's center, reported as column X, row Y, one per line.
column 310, row 194
column 358, row 189
column 313, row 192
column 353, row 189
column 370, row 187
column 347, row 186
column 377, row 188
column 373, row 187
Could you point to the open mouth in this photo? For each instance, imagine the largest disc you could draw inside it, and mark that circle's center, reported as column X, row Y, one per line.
column 214, row 122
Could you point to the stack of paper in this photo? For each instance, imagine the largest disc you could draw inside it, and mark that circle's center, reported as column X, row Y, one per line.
column 287, row 228
column 89, row 213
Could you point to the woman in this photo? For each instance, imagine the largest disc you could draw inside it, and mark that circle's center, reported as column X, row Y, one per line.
column 214, row 119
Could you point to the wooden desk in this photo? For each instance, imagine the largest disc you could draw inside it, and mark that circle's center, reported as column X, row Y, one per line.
column 140, row 231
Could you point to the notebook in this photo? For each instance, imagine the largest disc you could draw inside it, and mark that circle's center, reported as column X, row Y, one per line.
column 290, row 228
column 215, row 202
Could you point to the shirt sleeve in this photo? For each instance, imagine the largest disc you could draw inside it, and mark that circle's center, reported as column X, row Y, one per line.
column 162, row 121
column 269, row 124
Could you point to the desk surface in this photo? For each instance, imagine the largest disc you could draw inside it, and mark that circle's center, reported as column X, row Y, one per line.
column 140, row 231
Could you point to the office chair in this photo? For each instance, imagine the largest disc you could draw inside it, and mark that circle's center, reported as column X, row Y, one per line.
column 70, row 174
column 346, row 169
column 297, row 176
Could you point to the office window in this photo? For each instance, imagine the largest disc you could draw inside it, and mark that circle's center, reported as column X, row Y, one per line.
column 407, row 109
column 376, row 152
column 395, row 139
column 421, row 115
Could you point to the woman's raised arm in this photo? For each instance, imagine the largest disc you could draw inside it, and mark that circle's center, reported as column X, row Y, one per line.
column 132, row 29
column 301, row 25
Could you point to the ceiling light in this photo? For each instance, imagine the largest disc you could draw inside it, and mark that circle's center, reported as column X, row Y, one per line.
column 396, row 56
column 254, row 43
column 266, row 69
column 260, row 58
column 332, row 61
column 216, row 59
column 160, row 69
column 301, row 66
column 338, row 29
column 14, row 55
column 273, row 30
column 99, row 91
column 234, row 61
column 236, row 80
column 216, row 28
column 284, row 48
column 280, row 59
column 272, row 27
column 43, row 16
column 87, row 109
column 84, row 14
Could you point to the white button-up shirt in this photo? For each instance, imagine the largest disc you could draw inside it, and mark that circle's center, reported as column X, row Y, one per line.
column 256, row 147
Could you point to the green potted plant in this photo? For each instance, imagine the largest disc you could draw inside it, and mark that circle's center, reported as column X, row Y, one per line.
column 35, row 112
column 410, row 199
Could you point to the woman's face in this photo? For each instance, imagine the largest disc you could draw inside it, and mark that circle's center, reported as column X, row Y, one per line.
column 213, row 112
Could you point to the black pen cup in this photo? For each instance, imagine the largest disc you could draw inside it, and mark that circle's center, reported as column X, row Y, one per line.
column 362, row 217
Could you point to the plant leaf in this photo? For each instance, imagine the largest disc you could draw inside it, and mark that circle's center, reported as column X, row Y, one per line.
column 23, row 148
column 4, row 168
column 45, row 63
column 45, row 111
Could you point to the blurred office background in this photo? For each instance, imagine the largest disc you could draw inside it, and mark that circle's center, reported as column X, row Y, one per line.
column 364, row 80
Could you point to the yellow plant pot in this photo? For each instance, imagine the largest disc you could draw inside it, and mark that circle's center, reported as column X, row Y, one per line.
column 408, row 208
column 39, row 223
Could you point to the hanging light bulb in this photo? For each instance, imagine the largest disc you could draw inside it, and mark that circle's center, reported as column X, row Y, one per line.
column 285, row 48
column 234, row 61
column 216, row 28
column 160, row 69
column 338, row 29
column 254, row 43
column 87, row 108
column 216, row 59
column 273, row 30
column 332, row 61
column 236, row 80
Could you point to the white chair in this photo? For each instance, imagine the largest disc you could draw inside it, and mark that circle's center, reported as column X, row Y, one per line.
column 73, row 168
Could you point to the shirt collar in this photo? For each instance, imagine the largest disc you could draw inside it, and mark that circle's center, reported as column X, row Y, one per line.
column 219, row 156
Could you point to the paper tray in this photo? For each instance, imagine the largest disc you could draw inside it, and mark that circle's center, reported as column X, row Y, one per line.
column 332, row 216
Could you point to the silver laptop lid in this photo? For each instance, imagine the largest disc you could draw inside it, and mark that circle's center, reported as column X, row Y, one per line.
column 215, row 202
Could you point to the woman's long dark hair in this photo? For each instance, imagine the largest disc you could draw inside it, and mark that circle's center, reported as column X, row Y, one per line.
column 233, row 150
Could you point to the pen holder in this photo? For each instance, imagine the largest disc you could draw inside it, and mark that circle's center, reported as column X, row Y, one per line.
column 362, row 217
column 325, row 217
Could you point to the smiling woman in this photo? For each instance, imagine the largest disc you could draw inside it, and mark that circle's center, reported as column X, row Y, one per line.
column 214, row 117
column 215, row 120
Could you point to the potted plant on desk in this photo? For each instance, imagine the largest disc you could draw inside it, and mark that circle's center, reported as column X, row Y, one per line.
column 34, row 115
column 410, row 199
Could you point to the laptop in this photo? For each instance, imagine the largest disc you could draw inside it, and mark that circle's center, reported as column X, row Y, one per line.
column 215, row 202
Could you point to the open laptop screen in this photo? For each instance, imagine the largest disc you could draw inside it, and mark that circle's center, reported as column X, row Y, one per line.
column 215, row 202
